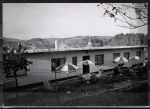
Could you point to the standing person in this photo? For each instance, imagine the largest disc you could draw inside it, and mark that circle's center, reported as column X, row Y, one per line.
column 115, row 69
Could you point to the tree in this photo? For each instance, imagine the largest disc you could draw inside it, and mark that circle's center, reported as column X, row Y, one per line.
column 15, row 60
column 127, row 15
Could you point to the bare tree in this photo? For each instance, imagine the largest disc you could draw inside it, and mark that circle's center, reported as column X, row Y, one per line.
column 126, row 15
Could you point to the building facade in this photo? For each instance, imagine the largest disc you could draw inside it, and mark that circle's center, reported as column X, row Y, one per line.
column 102, row 56
column 45, row 61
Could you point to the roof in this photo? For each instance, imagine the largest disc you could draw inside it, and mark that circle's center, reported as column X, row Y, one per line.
column 83, row 48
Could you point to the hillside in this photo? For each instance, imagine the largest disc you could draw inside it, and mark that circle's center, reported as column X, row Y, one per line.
column 129, row 39
column 38, row 43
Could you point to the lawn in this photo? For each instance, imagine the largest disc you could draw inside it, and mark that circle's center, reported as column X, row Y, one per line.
column 122, row 93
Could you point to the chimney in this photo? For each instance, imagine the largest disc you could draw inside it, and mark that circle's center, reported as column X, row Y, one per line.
column 55, row 44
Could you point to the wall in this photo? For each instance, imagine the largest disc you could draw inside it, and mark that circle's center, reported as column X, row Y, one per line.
column 41, row 63
column 40, row 70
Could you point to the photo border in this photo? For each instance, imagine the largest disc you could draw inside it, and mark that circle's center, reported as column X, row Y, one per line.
column 79, row 1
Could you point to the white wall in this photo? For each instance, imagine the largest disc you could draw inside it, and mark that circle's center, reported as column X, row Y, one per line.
column 41, row 63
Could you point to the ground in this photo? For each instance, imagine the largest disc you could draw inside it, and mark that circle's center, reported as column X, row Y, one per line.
column 120, row 93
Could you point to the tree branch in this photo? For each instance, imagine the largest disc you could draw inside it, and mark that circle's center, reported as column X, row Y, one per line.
column 122, row 10
column 132, row 27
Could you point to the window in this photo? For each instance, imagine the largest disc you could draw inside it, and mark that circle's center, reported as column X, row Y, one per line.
column 57, row 62
column 99, row 59
column 115, row 55
column 138, row 53
column 86, row 57
column 74, row 60
column 127, row 55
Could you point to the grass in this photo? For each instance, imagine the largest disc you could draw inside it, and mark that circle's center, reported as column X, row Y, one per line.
column 110, row 99
column 62, row 99
column 98, row 94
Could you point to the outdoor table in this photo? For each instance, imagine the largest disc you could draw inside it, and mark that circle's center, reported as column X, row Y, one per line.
column 127, row 66
column 105, row 68
column 123, row 70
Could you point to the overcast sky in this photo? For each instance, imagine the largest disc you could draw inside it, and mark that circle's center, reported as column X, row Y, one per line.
column 46, row 20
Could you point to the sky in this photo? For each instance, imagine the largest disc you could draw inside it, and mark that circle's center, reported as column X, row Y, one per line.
column 59, row 20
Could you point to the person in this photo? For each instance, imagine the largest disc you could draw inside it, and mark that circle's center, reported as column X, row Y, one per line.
column 115, row 69
column 80, row 77
column 93, row 78
column 100, row 71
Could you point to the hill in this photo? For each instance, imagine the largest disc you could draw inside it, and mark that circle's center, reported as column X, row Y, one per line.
column 129, row 39
column 39, row 43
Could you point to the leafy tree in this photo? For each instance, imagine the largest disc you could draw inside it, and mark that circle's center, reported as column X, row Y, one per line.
column 127, row 15
column 129, row 39
column 141, row 38
column 15, row 60
column 97, row 42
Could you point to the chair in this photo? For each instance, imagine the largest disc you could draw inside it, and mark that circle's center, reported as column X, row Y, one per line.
column 48, row 86
column 120, row 64
column 135, row 76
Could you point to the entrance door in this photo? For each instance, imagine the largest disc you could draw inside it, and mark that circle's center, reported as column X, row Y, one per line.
column 86, row 68
column 86, row 57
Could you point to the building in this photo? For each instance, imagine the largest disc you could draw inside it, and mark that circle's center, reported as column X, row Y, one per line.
column 45, row 61
column 103, row 56
column 89, row 44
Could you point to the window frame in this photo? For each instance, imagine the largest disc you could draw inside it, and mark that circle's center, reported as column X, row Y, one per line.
column 140, row 54
column 128, row 55
column 96, row 60
column 115, row 56
column 57, row 63
column 74, row 62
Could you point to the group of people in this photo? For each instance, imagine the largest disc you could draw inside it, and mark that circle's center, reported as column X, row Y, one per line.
column 131, row 71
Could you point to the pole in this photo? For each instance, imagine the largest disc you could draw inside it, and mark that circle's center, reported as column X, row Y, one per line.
column 55, row 79
column 68, row 85
column 89, row 68
column 68, row 82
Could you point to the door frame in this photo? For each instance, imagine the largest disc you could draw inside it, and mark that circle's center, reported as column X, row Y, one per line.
column 86, row 67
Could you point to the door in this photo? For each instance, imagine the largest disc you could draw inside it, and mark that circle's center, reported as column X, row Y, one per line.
column 86, row 57
column 86, row 68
